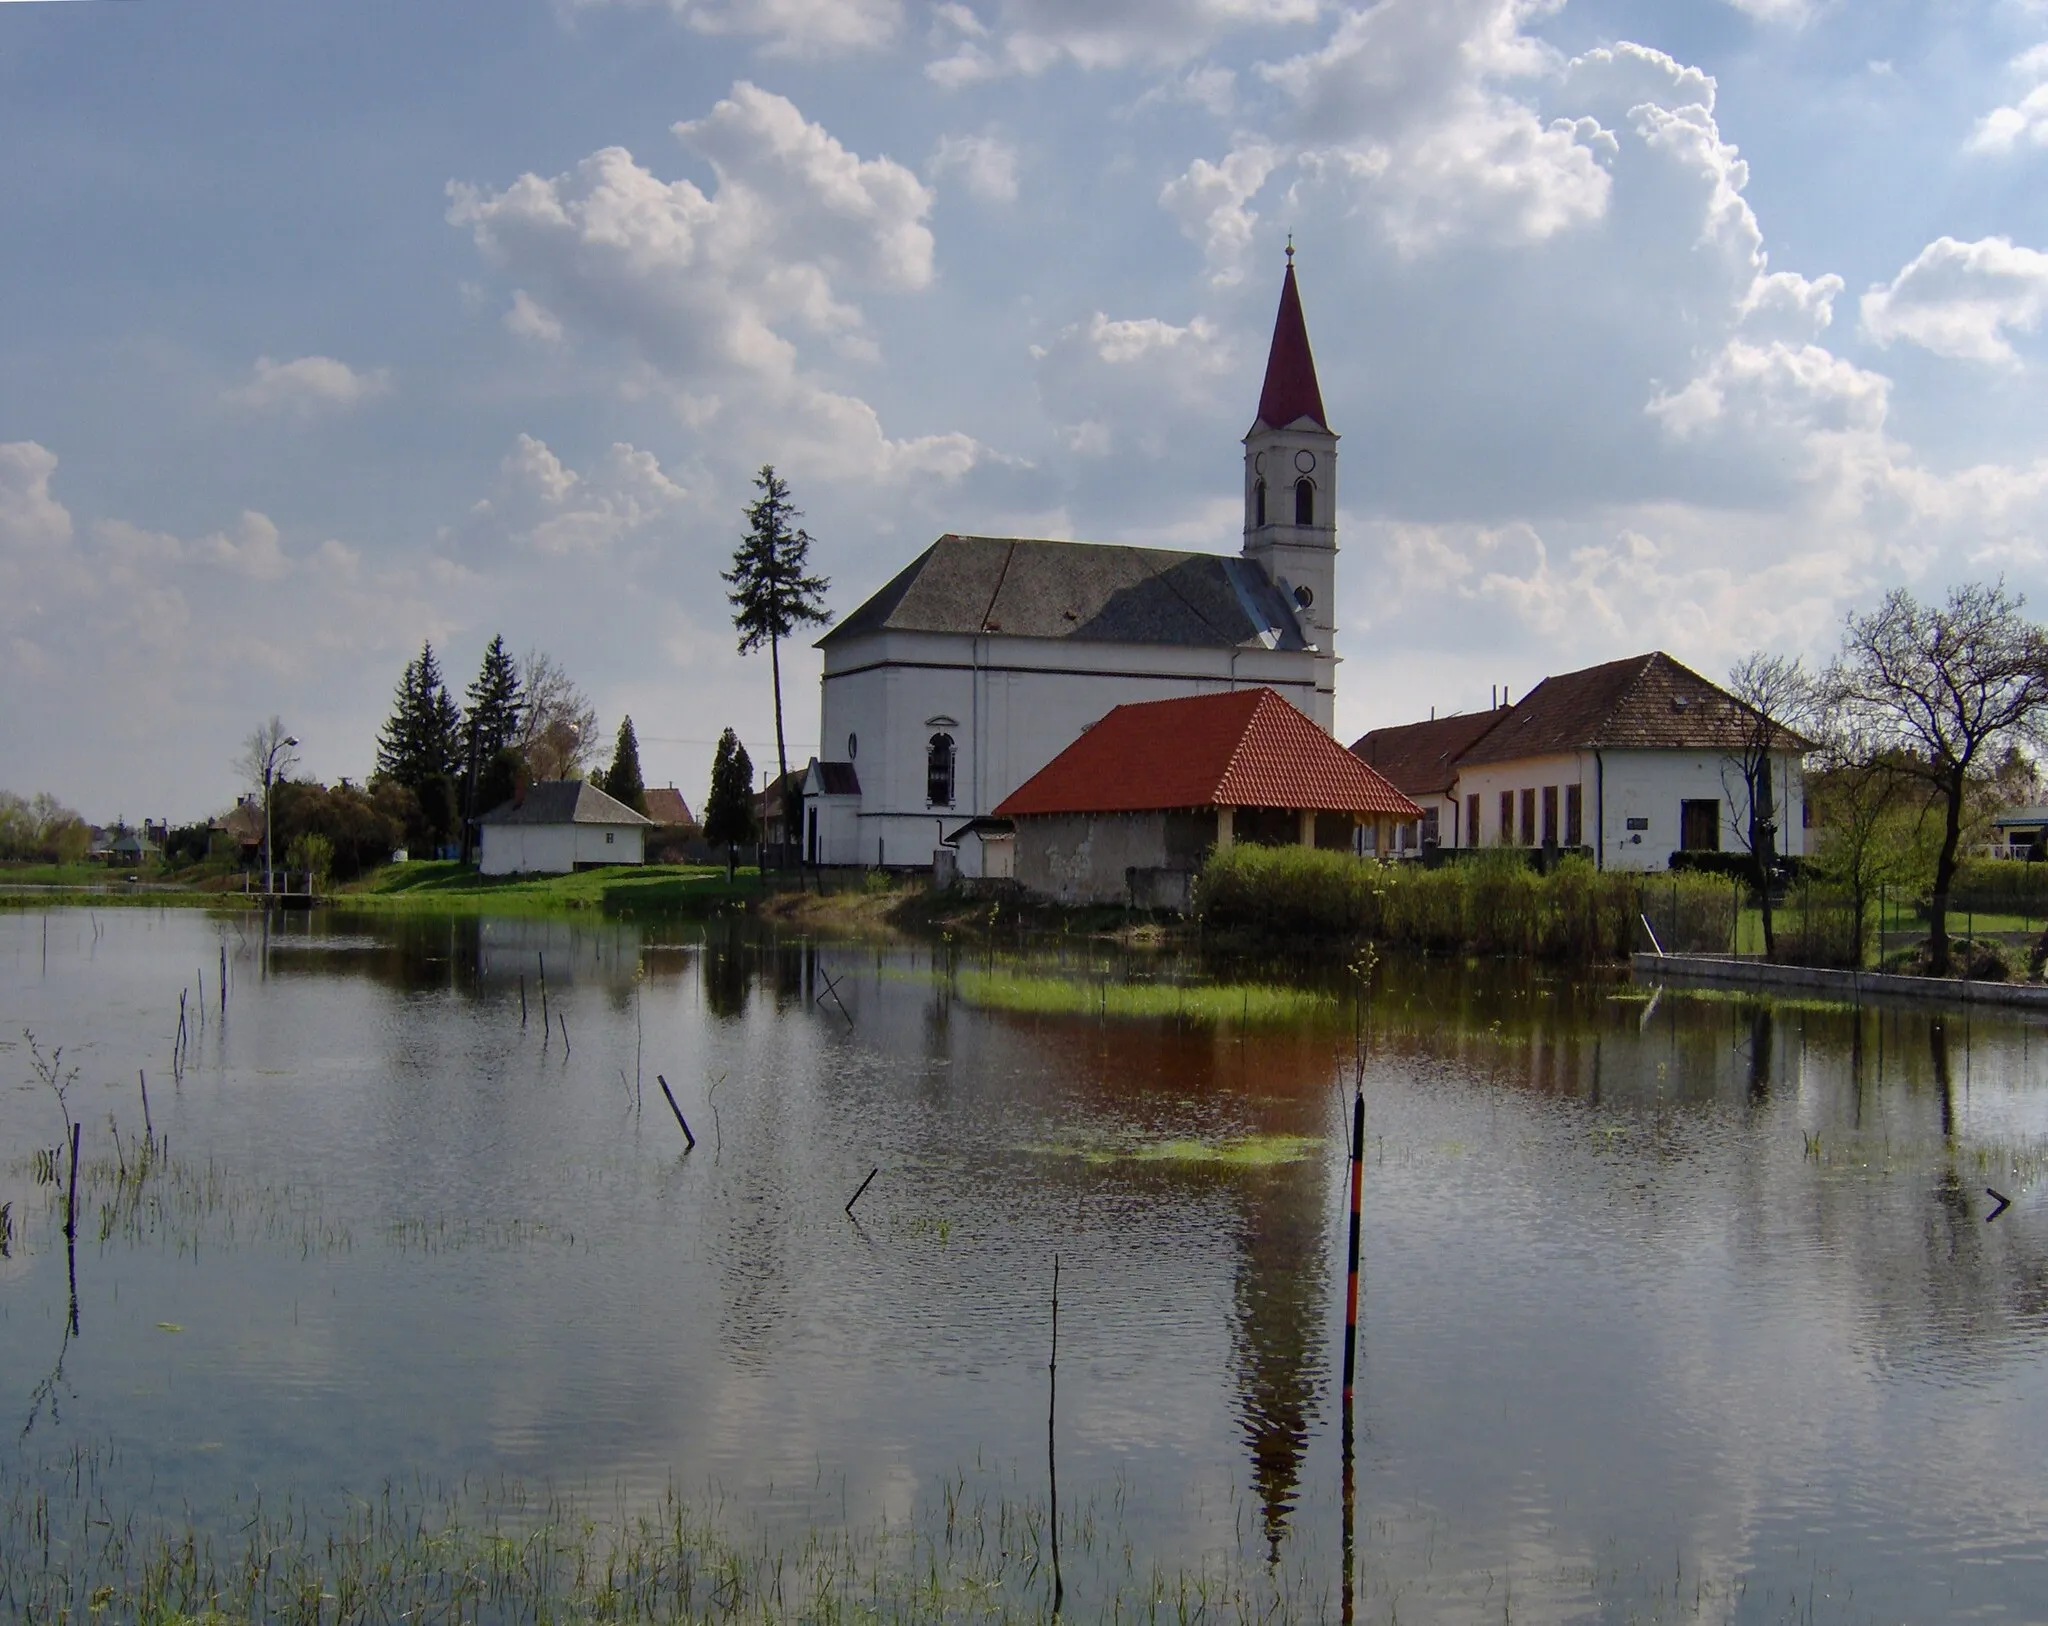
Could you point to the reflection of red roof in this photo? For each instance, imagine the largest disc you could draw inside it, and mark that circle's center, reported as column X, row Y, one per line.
column 1422, row 758
column 1291, row 390
column 1248, row 748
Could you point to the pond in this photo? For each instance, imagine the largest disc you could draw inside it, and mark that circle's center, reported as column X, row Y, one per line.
column 1674, row 1305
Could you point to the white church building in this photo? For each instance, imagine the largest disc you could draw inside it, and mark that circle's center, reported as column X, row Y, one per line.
column 987, row 656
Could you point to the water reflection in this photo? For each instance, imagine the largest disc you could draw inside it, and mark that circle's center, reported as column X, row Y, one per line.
column 1640, row 1264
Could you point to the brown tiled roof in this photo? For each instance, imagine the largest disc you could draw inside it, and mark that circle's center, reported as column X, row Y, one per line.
column 1244, row 748
column 665, row 806
column 1645, row 703
column 1421, row 759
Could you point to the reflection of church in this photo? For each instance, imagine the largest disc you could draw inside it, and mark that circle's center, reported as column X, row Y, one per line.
column 988, row 656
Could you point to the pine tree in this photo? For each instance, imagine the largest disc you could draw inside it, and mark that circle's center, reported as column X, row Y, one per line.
column 420, row 747
column 729, row 809
column 771, row 596
column 622, row 781
column 490, row 724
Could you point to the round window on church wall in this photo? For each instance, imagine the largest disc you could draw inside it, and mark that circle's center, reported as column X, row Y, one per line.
column 852, row 746
column 1304, row 597
column 1305, row 461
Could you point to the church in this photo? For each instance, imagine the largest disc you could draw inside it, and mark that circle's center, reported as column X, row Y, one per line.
column 986, row 657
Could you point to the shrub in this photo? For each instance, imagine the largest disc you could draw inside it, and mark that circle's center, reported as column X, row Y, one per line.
column 1495, row 903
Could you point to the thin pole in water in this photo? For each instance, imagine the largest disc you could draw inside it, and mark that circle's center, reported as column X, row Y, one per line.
column 564, row 1020
column 543, row 959
column 1351, row 1246
column 683, row 1122
column 71, row 1193
column 522, row 999
column 1052, row 1475
column 148, row 1128
column 870, row 1180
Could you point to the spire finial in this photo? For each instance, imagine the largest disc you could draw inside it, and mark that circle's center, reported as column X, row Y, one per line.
column 1290, row 249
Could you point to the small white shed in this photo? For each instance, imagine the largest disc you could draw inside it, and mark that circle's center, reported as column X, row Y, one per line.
column 560, row 825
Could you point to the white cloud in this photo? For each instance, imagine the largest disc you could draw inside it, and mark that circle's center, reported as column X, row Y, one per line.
column 540, row 503
column 530, row 319
column 987, row 164
column 1209, row 202
column 1143, row 384
column 1962, row 299
column 30, row 518
column 1776, row 11
column 713, row 298
column 1032, row 36
column 1410, row 105
column 2023, row 122
column 803, row 28
column 308, row 385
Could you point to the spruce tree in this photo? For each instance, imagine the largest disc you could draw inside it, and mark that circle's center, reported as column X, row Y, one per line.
column 622, row 781
column 420, row 747
column 490, row 723
column 729, row 809
column 771, row 596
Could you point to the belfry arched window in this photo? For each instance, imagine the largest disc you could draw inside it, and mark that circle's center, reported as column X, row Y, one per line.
column 938, row 773
column 1259, row 503
column 1304, row 502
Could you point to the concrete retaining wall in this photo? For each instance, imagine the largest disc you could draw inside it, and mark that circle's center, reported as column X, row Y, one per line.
column 1724, row 971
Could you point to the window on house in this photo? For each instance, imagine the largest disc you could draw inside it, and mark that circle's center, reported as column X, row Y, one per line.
column 1574, row 816
column 1430, row 827
column 1304, row 502
column 1528, row 818
column 1699, row 825
column 1259, row 503
column 608, row 835
column 1507, row 818
column 1550, row 815
column 1472, row 820
column 938, row 773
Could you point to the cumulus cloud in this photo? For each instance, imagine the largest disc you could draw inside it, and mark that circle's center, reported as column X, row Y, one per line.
column 986, row 164
column 1412, row 106
column 2023, row 122
column 540, row 503
column 309, row 385
column 1209, row 202
column 1133, row 384
column 714, row 297
column 1031, row 36
column 786, row 27
column 31, row 519
column 1961, row 300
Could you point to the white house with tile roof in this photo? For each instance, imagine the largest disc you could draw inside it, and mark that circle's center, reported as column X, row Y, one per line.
column 559, row 825
column 987, row 656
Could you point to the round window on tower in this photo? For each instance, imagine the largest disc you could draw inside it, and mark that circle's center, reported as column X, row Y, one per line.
column 852, row 747
column 1305, row 462
column 1304, row 597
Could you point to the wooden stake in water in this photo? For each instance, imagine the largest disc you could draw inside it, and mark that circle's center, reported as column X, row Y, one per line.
column 543, row 959
column 522, row 999
column 1052, row 1405
column 681, row 1121
column 148, row 1128
column 71, row 1193
column 564, row 1020
column 1351, row 1247
column 223, row 979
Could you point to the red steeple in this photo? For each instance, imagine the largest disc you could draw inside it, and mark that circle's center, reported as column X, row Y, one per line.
column 1291, row 390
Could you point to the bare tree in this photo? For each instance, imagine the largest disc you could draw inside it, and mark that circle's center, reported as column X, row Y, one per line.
column 558, row 725
column 1943, row 689
column 1774, row 697
column 268, row 755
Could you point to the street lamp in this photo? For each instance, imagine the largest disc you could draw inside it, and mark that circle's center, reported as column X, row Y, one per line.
column 277, row 749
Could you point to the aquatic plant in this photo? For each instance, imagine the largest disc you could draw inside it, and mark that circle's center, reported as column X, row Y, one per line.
column 1234, row 1004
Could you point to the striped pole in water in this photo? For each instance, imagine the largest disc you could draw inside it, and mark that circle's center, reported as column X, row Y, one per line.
column 1357, row 1198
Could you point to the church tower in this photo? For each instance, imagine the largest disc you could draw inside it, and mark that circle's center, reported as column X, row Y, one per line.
column 1290, row 491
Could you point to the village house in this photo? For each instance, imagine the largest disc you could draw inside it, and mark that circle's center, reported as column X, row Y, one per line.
column 1128, row 812
column 559, row 825
column 1629, row 762
column 986, row 656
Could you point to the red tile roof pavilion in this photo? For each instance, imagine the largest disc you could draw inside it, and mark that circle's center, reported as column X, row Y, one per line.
column 1246, row 748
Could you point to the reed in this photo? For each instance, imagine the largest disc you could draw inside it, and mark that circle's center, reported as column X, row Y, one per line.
column 1493, row 904
column 1231, row 1004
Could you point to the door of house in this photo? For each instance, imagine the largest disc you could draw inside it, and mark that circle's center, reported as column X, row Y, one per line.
column 1699, row 825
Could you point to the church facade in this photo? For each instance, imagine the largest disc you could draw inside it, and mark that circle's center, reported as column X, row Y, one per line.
column 987, row 656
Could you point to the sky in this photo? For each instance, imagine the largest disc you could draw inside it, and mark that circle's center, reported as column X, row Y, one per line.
column 334, row 328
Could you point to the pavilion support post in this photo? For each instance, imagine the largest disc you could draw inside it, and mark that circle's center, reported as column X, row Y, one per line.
column 1308, row 827
column 1226, row 833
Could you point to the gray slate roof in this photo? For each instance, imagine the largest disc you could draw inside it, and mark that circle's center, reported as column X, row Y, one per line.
column 564, row 801
column 1097, row 591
